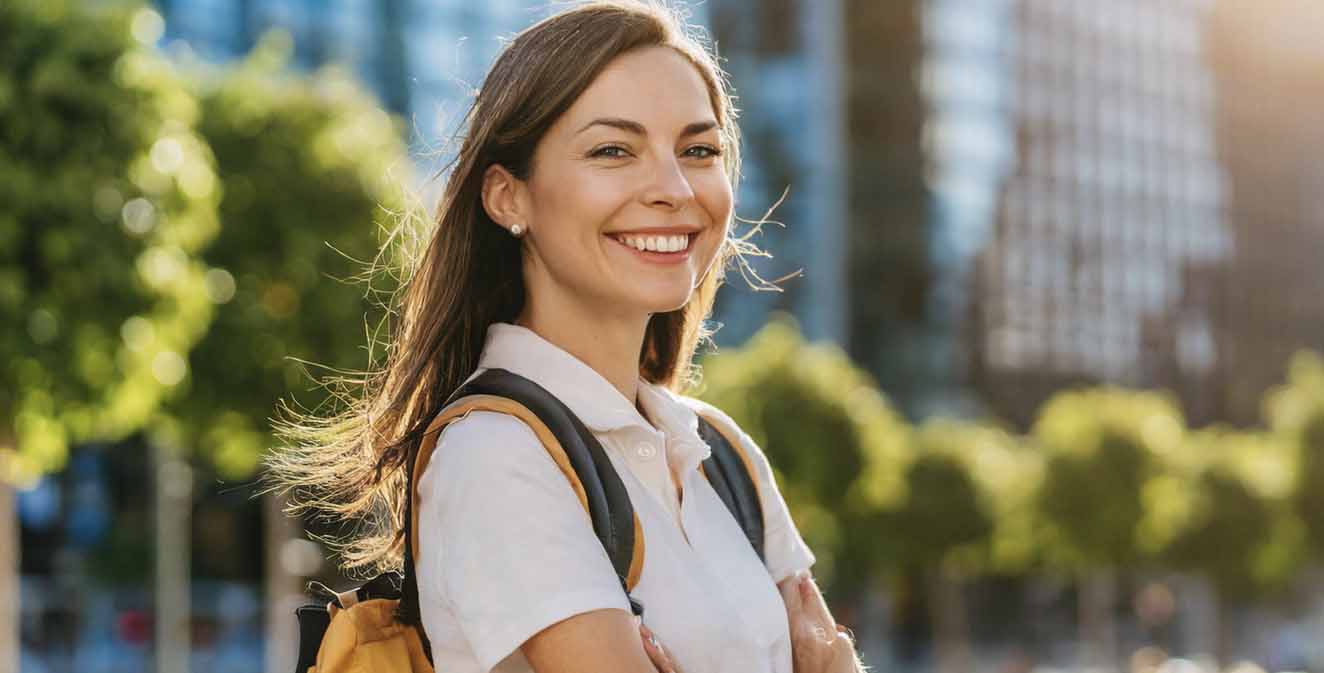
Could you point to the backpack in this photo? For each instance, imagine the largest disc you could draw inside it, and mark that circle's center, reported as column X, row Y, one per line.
column 377, row 627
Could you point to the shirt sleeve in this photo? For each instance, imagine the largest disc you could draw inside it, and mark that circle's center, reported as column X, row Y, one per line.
column 784, row 550
column 504, row 540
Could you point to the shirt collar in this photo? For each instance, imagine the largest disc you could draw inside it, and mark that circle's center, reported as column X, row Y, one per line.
column 591, row 397
column 685, row 448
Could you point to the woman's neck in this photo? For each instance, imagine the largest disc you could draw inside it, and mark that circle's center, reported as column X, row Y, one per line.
column 610, row 346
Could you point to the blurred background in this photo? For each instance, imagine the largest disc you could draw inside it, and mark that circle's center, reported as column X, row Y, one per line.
column 1041, row 381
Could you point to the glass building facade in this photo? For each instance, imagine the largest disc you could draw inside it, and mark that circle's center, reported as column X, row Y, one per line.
column 787, row 61
column 1114, row 210
column 967, row 82
column 422, row 58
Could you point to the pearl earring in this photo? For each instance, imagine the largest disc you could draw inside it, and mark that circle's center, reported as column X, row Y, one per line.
column 516, row 229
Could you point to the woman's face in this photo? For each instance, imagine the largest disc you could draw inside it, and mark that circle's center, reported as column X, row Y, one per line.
column 634, row 162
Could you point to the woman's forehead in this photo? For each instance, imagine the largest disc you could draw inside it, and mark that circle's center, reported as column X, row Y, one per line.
column 656, row 87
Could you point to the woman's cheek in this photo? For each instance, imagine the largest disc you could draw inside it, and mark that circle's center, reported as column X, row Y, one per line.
column 715, row 195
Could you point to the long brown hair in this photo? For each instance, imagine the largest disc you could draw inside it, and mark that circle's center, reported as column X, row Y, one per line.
column 349, row 465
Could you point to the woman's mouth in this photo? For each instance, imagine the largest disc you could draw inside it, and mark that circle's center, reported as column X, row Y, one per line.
column 664, row 249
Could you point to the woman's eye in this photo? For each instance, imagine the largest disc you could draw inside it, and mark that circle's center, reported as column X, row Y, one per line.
column 711, row 151
column 603, row 152
column 618, row 152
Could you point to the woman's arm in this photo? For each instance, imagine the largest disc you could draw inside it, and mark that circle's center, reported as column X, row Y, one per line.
column 605, row 641
column 609, row 640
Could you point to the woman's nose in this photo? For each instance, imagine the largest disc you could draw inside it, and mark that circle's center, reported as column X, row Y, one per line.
column 670, row 186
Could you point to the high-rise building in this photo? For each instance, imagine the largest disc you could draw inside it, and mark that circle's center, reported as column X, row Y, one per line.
column 1058, row 192
column 1267, row 58
column 966, row 81
column 904, row 171
column 1115, row 205
column 423, row 58
column 786, row 61
column 889, row 265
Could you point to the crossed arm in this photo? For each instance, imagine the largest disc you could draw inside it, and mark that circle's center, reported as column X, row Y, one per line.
column 608, row 641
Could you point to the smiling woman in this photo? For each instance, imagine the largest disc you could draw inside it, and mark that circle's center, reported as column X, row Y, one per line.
column 581, row 239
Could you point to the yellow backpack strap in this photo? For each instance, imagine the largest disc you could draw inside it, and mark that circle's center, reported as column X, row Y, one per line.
column 459, row 408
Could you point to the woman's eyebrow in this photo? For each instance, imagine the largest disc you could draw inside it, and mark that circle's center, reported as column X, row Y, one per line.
column 631, row 126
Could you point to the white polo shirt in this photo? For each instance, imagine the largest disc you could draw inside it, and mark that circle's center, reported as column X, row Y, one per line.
column 506, row 549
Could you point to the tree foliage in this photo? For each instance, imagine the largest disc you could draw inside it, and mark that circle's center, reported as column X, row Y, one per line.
column 940, row 514
column 991, row 501
column 1240, row 531
column 836, row 444
column 107, row 197
column 312, row 173
column 1295, row 413
column 1107, row 451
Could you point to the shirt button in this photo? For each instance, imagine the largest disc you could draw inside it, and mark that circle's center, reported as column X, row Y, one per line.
column 645, row 450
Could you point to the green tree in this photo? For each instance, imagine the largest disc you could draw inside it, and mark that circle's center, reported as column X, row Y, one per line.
column 313, row 174
column 927, row 533
column 837, row 447
column 970, row 503
column 1295, row 413
column 1239, row 530
column 968, row 510
column 1105, row 450
column 106, row 198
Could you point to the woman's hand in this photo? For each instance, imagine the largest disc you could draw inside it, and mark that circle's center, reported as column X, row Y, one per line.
column 818, row 643
column 659, row 654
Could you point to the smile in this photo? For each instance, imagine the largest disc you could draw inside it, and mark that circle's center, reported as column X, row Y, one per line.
column 665, row 249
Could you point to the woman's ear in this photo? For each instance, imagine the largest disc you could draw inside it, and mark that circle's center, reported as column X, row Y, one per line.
column 503, row 197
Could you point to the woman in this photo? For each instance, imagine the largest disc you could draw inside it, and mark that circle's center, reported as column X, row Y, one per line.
column 582, row 237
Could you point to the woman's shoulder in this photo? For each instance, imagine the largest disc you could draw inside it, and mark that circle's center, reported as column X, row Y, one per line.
column 724, row 424
column 486, row 439
column 703, row 408
column 478, row 423
column 711, row 413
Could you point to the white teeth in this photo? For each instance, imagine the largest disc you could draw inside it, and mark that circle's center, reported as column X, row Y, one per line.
column 656, row 243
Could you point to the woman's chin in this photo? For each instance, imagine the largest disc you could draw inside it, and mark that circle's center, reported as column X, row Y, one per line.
column 663, row 301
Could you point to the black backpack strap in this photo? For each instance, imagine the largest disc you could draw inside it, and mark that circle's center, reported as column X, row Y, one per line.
column 732, row 476
column 608, row 502
column 575, row 449
column 313, row 622
column 408, row 610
